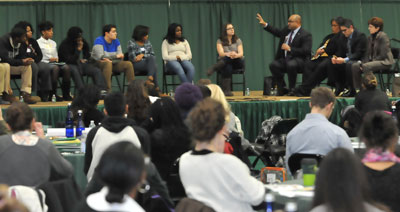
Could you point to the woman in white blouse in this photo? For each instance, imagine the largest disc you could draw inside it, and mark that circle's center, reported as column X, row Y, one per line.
column 176, row 53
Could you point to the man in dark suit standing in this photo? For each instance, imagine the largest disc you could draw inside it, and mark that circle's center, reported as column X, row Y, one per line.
column 340, row 70
column 294, row 50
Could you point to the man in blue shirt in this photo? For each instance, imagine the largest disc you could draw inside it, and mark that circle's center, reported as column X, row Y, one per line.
column 107, row 52
column 315, row 134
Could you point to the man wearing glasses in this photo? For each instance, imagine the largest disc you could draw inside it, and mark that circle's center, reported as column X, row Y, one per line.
column 340, row 69
column 293, row 52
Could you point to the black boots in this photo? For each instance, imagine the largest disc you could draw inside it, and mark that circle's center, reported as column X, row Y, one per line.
column 65, row 87
column 219, row 65
column 227, row 86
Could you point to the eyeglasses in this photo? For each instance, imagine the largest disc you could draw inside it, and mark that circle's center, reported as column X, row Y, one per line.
column 231, row 28
column 344, row 30
column 289, row 21
column 334, row 25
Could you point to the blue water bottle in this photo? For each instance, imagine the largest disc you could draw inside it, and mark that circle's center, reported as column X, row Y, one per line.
column 69, row 123
column 269, row 200
column 79, row 125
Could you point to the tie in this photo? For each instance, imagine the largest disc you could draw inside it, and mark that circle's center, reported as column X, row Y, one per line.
column 348, row 47
column 290, row 38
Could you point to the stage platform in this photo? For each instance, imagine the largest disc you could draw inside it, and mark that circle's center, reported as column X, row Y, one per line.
column 252, row 110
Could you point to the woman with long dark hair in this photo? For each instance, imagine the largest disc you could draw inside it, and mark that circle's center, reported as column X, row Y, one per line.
column 170, row 137
column 141, row 53
column 230, row 56
column 75, row 51
column 176, row 53
column 341, row 185
column 380, row 135
column 137, row 99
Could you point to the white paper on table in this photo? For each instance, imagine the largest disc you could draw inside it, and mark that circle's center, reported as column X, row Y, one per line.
column 291, row 190
column 60, row 132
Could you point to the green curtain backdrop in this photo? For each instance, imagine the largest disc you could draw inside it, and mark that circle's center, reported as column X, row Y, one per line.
column 201, row 20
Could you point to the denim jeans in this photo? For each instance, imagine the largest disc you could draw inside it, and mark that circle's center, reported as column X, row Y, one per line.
column 184, row 69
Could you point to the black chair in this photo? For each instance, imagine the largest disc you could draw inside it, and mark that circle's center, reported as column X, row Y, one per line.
column 240, row 71
column 174, row 183
column 271, row 153
column 14, row 79
column 389, row 72
column 294, row 161
column 167, row 73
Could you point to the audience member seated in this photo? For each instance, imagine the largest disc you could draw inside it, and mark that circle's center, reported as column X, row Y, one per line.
column 339, row 71
column 138, row 101
column 176, row 52
column 230, row 57
column 41, row 78
column 294, row 50
column 170, row 137
column 315, row 134
column 380, row 135
column 233, row 122
column 28, row 159
column 186, row 97
column 122, row 170
column 141, row 53
column 50, row 60
column 108, row 54
column 86, row 100
column 341, row 185
column 229, row 185
column 12, row 53
column 3, row 125
column 74, row 50
column 370, row 98
column 114, row 128
column 378, row 56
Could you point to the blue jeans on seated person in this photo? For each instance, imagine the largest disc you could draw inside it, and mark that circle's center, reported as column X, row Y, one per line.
column 184, row 69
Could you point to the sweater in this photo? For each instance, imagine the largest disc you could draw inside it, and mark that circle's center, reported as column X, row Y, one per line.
column 220, row 181
column 181, row 49
column 102, row 49
column 112, row 126
column 31, row 165
column 9, row 53
column 69, row 54
column 385, row 186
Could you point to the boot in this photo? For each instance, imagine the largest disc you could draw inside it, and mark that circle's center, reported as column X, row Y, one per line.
column 27, row 98
column 65, row 87
column 44, row 95
column 226, row 86
column 219, row 65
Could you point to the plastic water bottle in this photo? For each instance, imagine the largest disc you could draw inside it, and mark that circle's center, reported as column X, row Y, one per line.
column 92, row 124
column 247, row 92
column 171, row 93
column 79, row 125
column 269, row 200
column 21, row 99
column 69, row 123
column 394, row 112
column 53, row 98
column 291, row 207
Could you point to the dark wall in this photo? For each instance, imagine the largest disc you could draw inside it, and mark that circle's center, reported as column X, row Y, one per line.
column 201, row 22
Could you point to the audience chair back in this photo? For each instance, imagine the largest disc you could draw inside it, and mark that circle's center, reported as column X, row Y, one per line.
column 294, row 161
column 192, row 205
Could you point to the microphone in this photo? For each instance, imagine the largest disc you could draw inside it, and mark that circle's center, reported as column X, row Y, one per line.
column 394, row 39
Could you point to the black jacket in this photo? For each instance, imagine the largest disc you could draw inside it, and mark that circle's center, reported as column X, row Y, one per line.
column 300, row 46
column 69, row 54
column 35, row 52
column 336, row 45
column 10, row 54
column 358, row 45
column 115, row 124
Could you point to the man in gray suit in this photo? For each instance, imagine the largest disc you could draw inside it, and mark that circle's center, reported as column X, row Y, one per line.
column 379, row 55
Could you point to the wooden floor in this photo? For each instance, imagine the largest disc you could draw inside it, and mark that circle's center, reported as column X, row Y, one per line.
column 238, row 97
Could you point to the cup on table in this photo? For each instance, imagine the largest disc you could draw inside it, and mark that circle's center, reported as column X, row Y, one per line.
column 309, row 167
